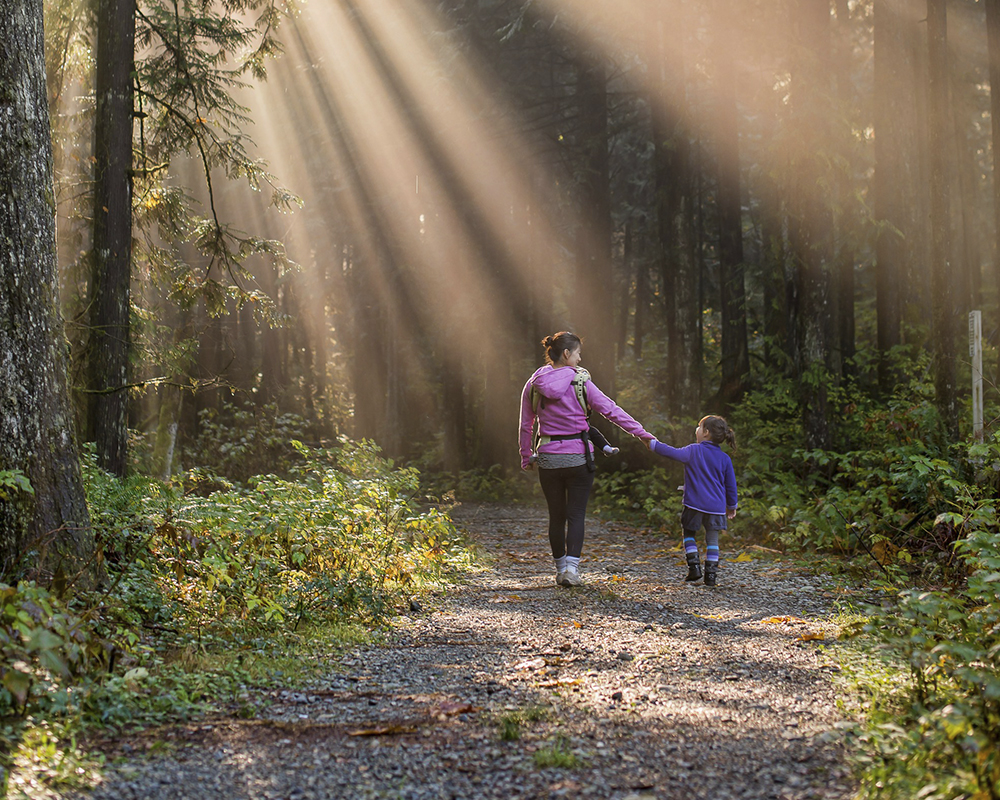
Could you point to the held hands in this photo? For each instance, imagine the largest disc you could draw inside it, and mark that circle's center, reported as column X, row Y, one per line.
column 651, row 443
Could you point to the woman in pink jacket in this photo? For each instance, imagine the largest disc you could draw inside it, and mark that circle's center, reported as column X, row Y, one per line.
column 565, row 454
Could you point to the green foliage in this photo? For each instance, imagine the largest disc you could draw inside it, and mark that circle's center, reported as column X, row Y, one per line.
column 340, row 539
column 195, row 59
column 651, row 493
column 14, row 480
column 939, row 737
column 43, row 647
column 242, row 442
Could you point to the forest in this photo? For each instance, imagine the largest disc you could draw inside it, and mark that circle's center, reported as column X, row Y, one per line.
column 274, row 273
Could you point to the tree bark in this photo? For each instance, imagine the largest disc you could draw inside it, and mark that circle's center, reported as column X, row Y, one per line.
column 813, row 223
column 36, row 423
column 993, row 38
column 846, row 219
column 171, row 404
column 674, row 211
column 942, row 309
column 735, row 352
column 594, row 313
column 112, row 272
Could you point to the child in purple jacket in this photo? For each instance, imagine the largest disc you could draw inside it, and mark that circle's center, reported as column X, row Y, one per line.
column 709, row 491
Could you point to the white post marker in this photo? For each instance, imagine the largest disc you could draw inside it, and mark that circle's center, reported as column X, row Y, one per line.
column 976, row 354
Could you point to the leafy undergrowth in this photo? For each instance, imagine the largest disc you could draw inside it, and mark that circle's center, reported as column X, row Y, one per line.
column 921, row 677
column 212, row 590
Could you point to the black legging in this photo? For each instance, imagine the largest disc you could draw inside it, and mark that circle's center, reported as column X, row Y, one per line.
column 566, row 491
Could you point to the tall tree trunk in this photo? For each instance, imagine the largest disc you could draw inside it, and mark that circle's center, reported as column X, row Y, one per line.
column 171, row 405
column 674, row 210
column 368, row 369
column 993, row 38
column 778, row 352
column 845, row 256
column 967, row 247
column 813, row 224
column 735, row 353
column 110, row 283
column 942, row 310
column 594, row 314
column 890, row 253
column 624, row 293
column 36, row 423
column 642, row 299
column 453, row 407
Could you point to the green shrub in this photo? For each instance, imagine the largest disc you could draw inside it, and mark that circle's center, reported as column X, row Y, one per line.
column 242, row 442
column 44, row 647
column 940, row 737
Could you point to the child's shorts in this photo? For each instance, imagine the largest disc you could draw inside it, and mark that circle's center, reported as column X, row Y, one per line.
column 692, row 520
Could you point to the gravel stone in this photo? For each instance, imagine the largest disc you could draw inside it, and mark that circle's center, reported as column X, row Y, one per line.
column 635, row 686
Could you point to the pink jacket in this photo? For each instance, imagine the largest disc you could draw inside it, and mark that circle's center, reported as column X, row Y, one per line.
column 562, row 413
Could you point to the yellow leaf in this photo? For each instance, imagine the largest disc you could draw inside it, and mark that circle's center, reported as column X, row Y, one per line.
column 782, row 620
column 742, row 557
column 811, row 637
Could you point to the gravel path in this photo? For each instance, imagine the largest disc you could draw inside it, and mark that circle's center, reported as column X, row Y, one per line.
column 633, row 686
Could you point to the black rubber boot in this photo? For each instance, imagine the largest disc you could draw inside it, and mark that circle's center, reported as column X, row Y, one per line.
column 694, row 568
column 711, row 572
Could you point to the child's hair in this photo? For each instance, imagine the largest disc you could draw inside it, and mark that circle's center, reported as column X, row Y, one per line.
column 719, row 430
column 557, row 342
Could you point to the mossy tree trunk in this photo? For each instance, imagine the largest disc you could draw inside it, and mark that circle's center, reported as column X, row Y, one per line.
column 36, row 425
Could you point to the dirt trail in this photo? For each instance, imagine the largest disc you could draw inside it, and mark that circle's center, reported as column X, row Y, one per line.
column 633, row 686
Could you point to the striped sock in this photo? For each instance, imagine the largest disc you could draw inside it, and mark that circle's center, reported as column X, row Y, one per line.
column 691, row 548
column 711, row 546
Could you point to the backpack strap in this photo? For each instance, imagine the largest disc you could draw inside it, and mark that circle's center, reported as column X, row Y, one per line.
column 579, row 385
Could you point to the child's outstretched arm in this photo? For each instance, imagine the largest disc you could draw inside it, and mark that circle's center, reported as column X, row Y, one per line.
column 682, row 454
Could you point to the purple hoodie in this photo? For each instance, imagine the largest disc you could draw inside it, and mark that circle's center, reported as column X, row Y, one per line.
column 562, row 413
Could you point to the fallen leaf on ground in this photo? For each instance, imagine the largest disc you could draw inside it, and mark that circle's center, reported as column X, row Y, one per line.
column 780, row 620
column 811, row 637
column 451, row 709
column 393, row 729
column 510, row 598
column 742, row 557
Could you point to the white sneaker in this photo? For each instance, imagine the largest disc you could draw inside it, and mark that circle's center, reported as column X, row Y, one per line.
column 561, row 578
column 571, row 577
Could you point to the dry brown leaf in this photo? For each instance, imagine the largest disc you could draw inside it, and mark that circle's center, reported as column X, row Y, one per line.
column 391, row 729
column 453, row 708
